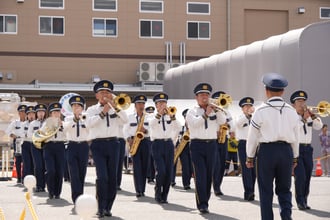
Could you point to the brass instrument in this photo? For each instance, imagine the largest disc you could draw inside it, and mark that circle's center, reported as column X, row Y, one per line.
column 171, row 110
column 122, row 101
column 138, row 137
column 322, row 109
column 223, row 101
column 47, row 131
column 222, row 133
column 183, row 143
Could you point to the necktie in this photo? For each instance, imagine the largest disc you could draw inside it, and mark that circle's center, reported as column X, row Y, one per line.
column 163, row 123
column 108, row 122
column 304, row 127
column 205, row 123
column 77, row 129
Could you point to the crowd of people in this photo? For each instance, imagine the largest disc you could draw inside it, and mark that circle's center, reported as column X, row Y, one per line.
column 273, row 139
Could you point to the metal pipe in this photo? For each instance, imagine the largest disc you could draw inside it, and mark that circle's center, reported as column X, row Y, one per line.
column 228, row 26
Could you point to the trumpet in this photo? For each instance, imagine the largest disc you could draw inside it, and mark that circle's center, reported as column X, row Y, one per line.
column 223, row 101
column 170, row 110
column 322, row 109
column 122, row 101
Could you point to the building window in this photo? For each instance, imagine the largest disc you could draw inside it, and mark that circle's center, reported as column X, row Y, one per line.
column 199, row 30
column 103, row 27
column 8, row 24
column 198, row 8
column 151, row 28
column 51, row 25
column 105, row 5
column 51, row 4
column 324, row 13
column 151, row 6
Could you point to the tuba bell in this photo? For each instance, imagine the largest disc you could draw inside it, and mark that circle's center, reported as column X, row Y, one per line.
column 47, row 131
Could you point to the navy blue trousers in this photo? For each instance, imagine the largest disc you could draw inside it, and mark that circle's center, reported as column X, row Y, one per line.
column 219, row 166
column 77, row 158
column 122, row 144
column 54, row 155
column 163, row 153
column 151, row 166
column 274, row 162
column 39, row 167
column 303, row 173
column 106, row 156
column 27, row 158
column 186, row 166
column 140, row 165
column 203, row 159
column 248, row 175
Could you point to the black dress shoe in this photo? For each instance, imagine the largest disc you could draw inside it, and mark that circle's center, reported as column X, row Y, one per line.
column 250, row 197
column 50, row 196
column 187, row 187
column 301, row 206
column 204, row 210
column 100, row 214
column 57, row 197
column 158, row 200
column 308, row 207
column 107, row 213
column 219, row 193
column 173, row 184
column 163, row 201
column 142, row 194
column 138, row 194
column 118, row 188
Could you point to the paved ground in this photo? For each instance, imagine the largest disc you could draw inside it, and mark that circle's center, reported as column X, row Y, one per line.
column 181, row 203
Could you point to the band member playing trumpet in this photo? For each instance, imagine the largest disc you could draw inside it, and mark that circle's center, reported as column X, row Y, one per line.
column 54, row 153
column 28, row 168
column 76, row 128
column 242, row 124
column 37, row 153
column 303, row 171
column 151, row 165
column 16, row 131
column 164, row 128
column 203, row 122
column 184, row 156
column 105, row 118
column 138, row 137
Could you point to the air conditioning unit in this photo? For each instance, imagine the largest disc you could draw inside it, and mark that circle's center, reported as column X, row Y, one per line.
column 175, row 65
column 161, row 69
column 147, row 72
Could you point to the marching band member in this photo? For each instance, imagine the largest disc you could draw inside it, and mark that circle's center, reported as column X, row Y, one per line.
column 105, row 121
column 185, row 158
column 303, row 171
column 163, row 128
column 242, row 126
column 139, row 120
column 16, row 131
column 76, row 128
column 37, row 154
column 221, row 151
column 54, row 153
column 203, row 122
column 274, row 130
column 28, row 168
column 151, row 165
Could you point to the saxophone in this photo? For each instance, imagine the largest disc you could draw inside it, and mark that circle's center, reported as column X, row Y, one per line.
column 222, row 133
column 137, row 138
column 183, row 143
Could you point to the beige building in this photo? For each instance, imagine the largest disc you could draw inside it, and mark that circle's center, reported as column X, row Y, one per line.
column 52, row 47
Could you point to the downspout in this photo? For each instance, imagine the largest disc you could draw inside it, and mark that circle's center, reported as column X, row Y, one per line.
column 228, row 26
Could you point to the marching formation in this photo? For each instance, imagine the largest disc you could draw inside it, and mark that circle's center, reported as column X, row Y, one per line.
column 273, row 141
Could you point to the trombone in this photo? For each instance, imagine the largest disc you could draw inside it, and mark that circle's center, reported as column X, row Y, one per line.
column 223, row 101
column 322, row 109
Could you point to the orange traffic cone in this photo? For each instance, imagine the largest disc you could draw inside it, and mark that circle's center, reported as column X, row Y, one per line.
column 318, row 171
column 14, row 172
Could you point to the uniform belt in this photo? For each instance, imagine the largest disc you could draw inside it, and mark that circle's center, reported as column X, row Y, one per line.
column 55, row 142
column 145, row 138
column 275, row 142
column 304, row 144
column 203, row 140
column 77, row 142
column 164, row 139
column 106, row 139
